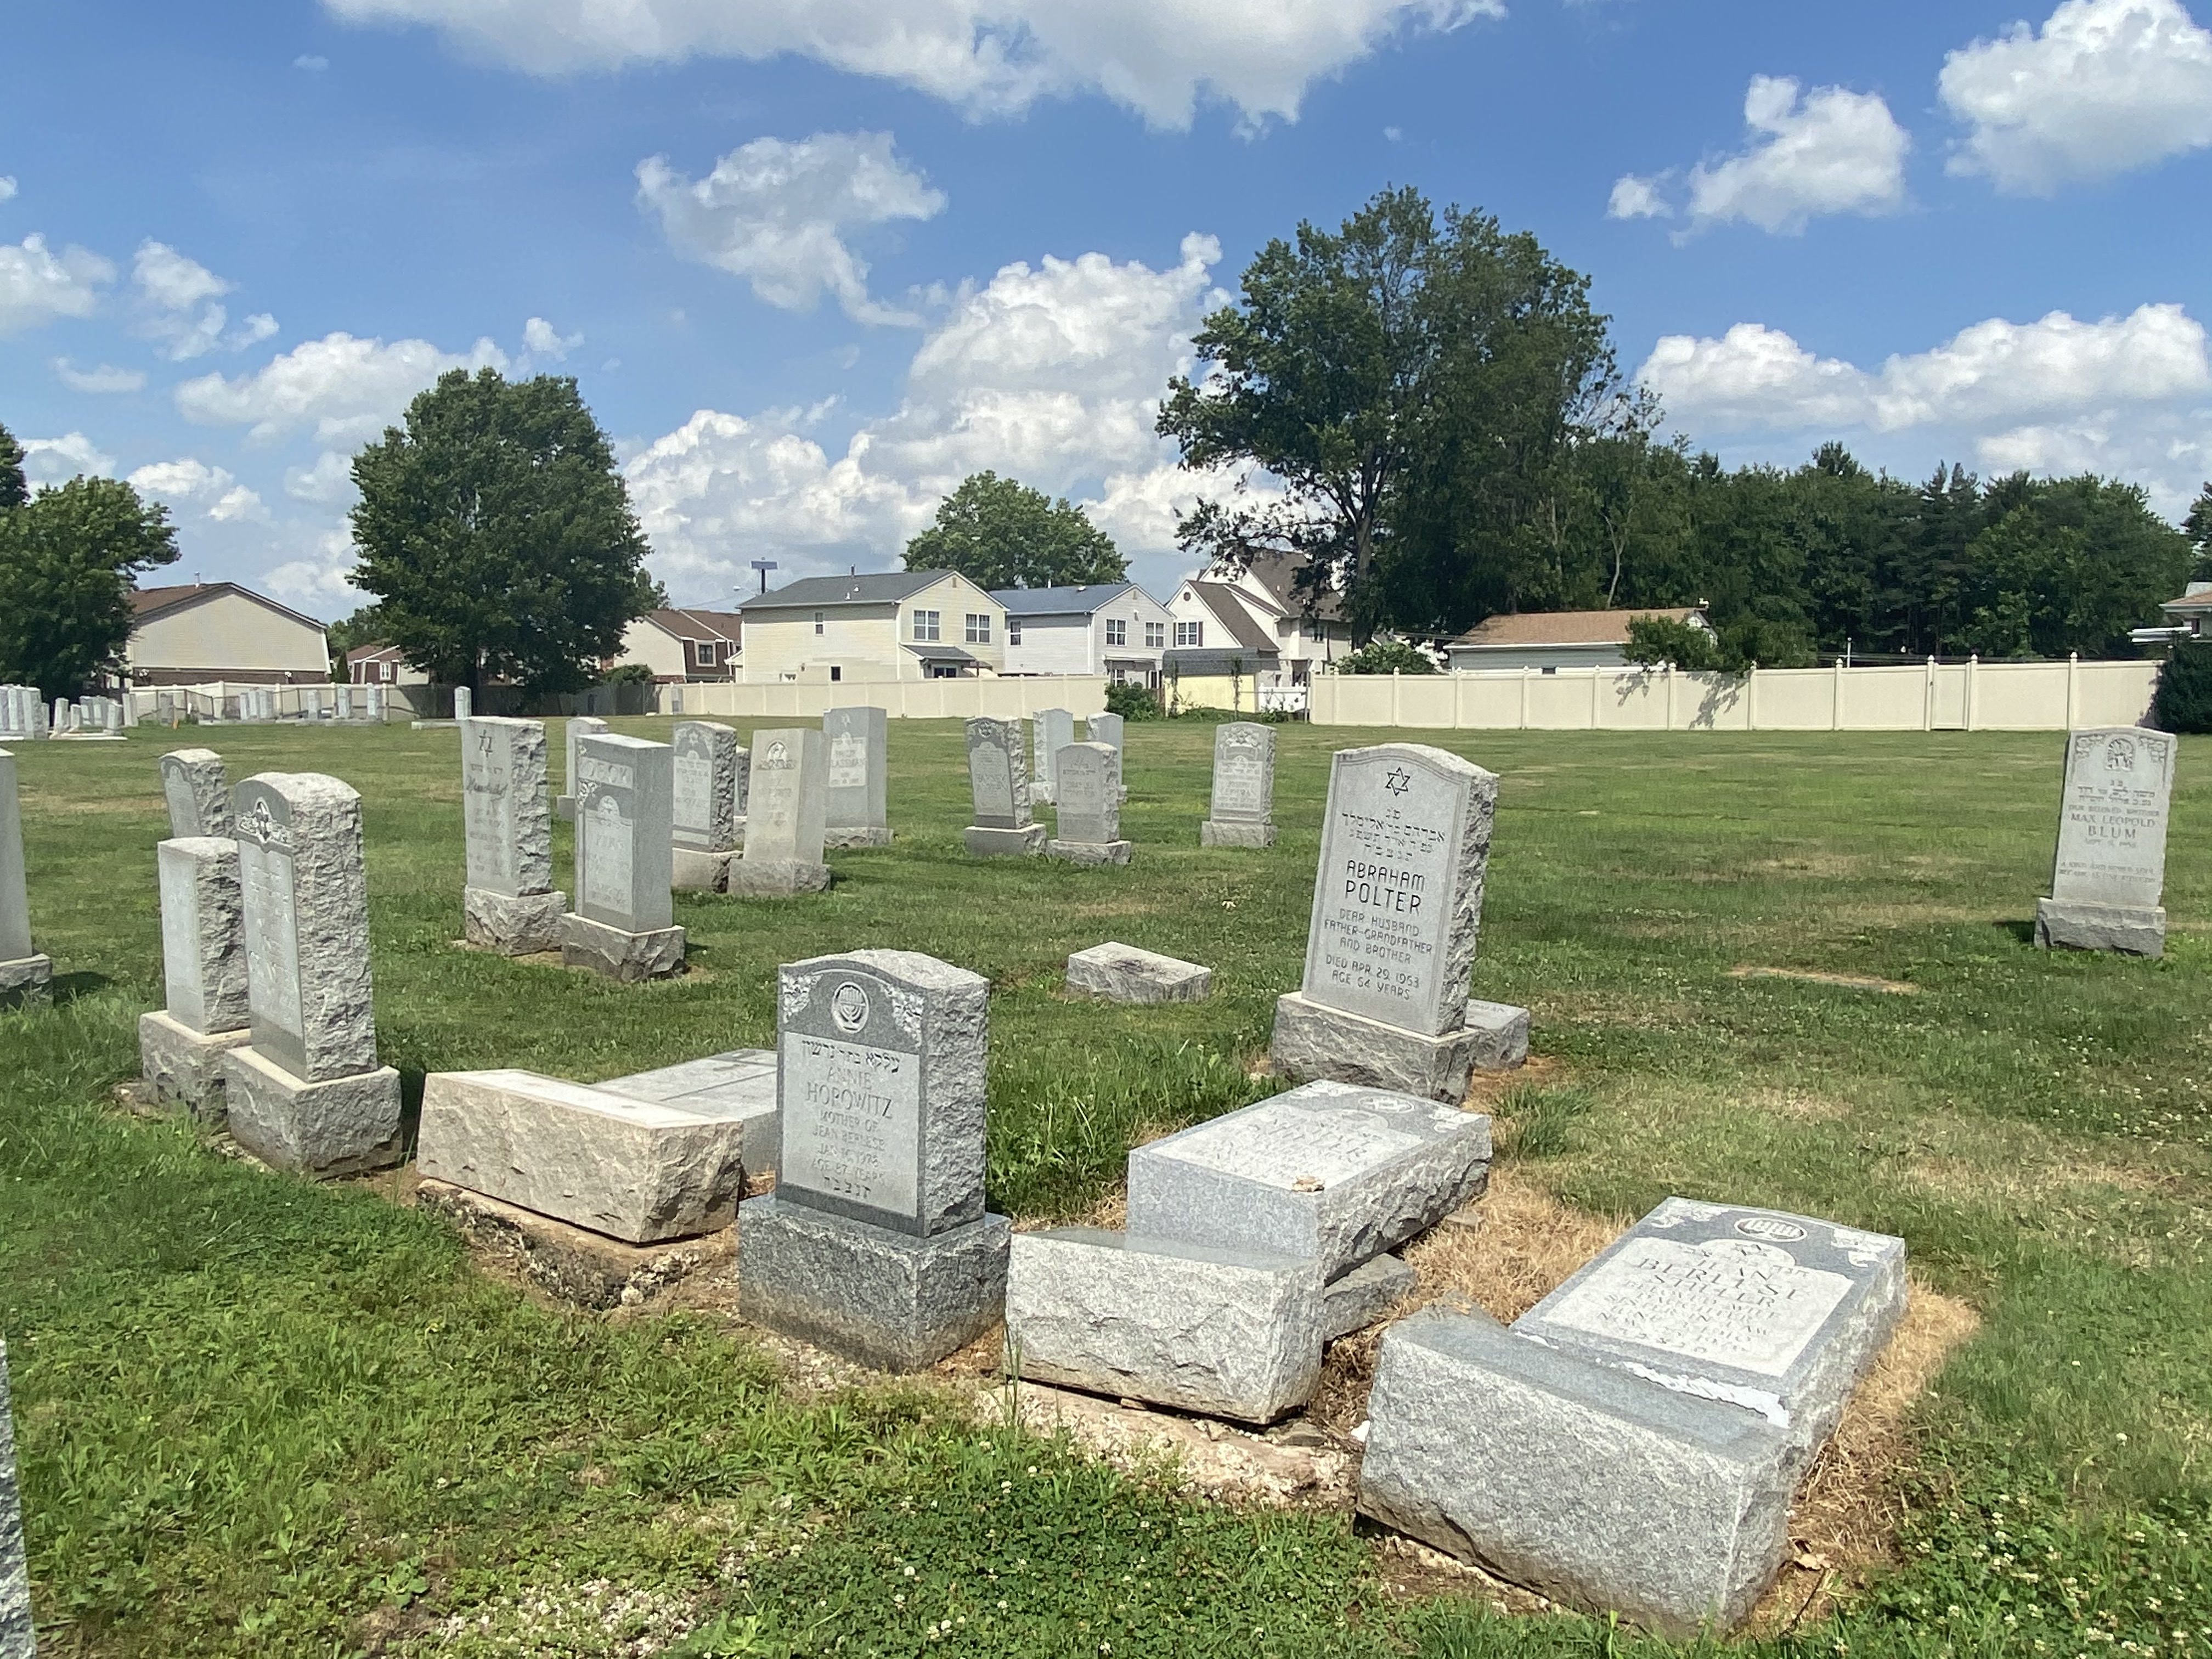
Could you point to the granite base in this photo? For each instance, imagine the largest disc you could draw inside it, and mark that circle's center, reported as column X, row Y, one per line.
column 581, row 1267
column 511, row 925
column 857, row 835
column 1023, row 843
column 775, row 878
column 27, row 980
column 629, row 957
column 2076, row 927
column 1313, row 1041
column 882, row 1298
column 341, row 1126
column 1216, row 833
column 184, row 1067
column 564, row 806
column 1088, row 852
column 695, row 872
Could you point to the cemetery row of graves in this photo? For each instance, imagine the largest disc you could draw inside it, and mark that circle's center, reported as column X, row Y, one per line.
column 1294, row 1215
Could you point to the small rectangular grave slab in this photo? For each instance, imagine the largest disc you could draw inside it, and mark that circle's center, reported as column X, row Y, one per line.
column 518, row 926
column 984, row 843
column 635, row 1169
column 196, row 791
column 694, row 871
column 1329, row 1172
column 740, row 1085
column 1122, row 973
column 855, row 809
column 618, row 954
column 1234, row 1333
column 17, row 1640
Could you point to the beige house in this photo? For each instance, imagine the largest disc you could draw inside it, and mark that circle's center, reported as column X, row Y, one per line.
column 680, row 645
column 2187, row 615
column 207, row 631
column 899, row 625
column 1553, row 639
column 379, row 664
column 1257, row 610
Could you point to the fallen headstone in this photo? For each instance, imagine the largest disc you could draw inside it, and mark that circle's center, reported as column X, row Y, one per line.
column 739, row 1085
column 2109, row 876
column 999, row 776
column 1122, row 973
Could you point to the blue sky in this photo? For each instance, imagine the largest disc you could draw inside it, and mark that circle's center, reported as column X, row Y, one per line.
column 812, row 261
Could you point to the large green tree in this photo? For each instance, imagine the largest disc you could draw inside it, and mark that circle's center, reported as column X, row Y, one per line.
column 70, row 556
column 12, row 492
column 1416, row 390
column 497, row 536
column 999, row 532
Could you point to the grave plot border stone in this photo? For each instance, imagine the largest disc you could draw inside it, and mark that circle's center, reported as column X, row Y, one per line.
column 783, row 850
column 181, row 1045
column 1004, row 826
column 1087, row 782
column 509, row 902
column 1230, row 821
column 26, row 975
column 856, row 784
column 1124, row 973
column 2096, row 903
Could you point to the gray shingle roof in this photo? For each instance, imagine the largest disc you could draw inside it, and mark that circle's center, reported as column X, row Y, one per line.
column 820, row 593
column 1060, row 601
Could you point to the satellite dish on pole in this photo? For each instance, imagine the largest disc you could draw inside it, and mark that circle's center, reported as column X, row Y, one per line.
column 763, row 566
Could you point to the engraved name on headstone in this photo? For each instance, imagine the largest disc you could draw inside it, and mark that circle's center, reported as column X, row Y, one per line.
column 1090, row 780
column 625, row 845
column 507, row 829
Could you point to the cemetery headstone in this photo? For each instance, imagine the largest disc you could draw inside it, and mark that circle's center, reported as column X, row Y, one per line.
column 785, row 802
column 509, row 902
column 1243, row 810
column 854, row 808
column 112, row 717
column 1089, row 779
column 1122, row 973
column 342, row 702
column 1052, row 729
column 707, row 759
column 999, row 776
column 623, row 922
column 2109, row 877
column 206, row 1012
column 196, row 792
column 17, row 1638
column 1397, row 906
column 1108, row 728
column 875, row 1243
column 373, row 695
column 26, row 975
column 579, row 727
column 740, row 1085
column 465, row 703
column 1678, row 1386
column 308, row 1093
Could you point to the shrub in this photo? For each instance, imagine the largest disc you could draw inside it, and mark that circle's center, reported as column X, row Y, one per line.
column 1131, row 703
column 1387, row 657
column 2183, row 701
column 1656, row 639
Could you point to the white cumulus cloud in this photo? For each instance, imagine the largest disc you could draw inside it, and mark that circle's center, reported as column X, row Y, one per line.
column 319, row 580
column 50, row 461
column 330, row 478
column 2104, row 86
column 105, row 377
column 177, row 306
column 779, row 213
column 192, row 482
column 1638, row 197
column 1049, row 373
column 540, row 339
column 38, row 285
column 1830, row 151
column 7, row 187
column 987, row 57
column 343, row 388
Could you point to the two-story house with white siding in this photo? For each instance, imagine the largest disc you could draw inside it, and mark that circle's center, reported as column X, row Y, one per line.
column 1113, row 629
column 1257, row 611
column 896, row 625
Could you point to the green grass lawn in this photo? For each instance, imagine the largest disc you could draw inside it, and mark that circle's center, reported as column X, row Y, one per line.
column 259, row 1417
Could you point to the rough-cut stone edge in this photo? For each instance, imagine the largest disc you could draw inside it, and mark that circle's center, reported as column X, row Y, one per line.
column 573, row 1264
column 288, row 1124
column 184, row 1067
column 1089, row 852
column 986, row 843
column 17, row 1640
column 1312, row 1040
column 627, row 957
column 776, row 878
column 851, row 835
column 514, row 927
column 692, row 870
column 2075, row 926
column 1092, row 975
column 28, row 981
column 1229, row 832
column 1352, row 1301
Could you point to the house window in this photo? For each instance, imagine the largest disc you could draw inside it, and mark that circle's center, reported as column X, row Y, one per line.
column 1190, row 634
column 818, row 622
column 706, row 653
column 836, row 672
column 925, row 624
column 1156, row 636
column 1117, row 632
column 1013, row 630
column 979, row 627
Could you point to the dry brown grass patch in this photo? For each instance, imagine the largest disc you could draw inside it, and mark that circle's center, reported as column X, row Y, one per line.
column 1525, row 1244
column 1797, row 1103
column 1853, row 981
column 1486, row 1089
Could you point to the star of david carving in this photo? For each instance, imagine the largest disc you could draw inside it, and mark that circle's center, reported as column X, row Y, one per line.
column 1399, row 781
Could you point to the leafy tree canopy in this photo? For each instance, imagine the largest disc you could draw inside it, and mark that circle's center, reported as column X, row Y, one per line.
column 69, row 557
column 1657, row 640
column 12, row 492
column 2183, row 701
column 1387, row 657
column 366, row 626
column 497, row 536
column 999, row 532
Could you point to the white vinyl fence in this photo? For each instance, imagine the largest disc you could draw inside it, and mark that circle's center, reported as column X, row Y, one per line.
column 1006, row 699
column 1968, row 696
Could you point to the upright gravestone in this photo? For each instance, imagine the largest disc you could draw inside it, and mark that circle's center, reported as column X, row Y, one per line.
column 1633, row 1441
column 875, row 1243
column 623, row 924
column 307, row 1093
column 1243, row 812
column 17, row 1639
column 26, row 975
column 373, row 697
column 1090, row 820
column 1052, row 729
column 465, row 703
column 784, row 808
column 1397, row 906
column 579, row 727
column 206, row 1012
column 1108, row 728
column 998, row 774
column 707, row 763
column 342, row 702
column 854, row 808
column 508, row 903
column 2109, row 873
column 196, row 792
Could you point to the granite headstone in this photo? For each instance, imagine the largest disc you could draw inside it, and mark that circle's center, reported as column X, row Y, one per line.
column 17, row 1638
column 26, row 975
column 508, row 903
column 854, row 807
column 1089, row 824
column 1242, row 813
column 196, row 792
column 999, row 778
column 707, row 784
column 578, row 727
column 785, row 804
column 2109, row 877
column 204, row 972
column 623, row 923
column 1051, row 731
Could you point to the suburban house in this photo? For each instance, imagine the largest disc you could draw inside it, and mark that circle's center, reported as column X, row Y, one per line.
column 1553, row 639
column 2188, row 614
column 1113, row 629
column 1242, row 609
column 379, row 664
column 899, row 625
column 680, row 645
column 204, row 631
